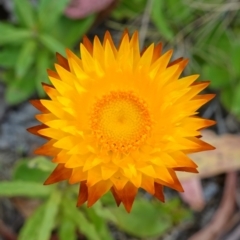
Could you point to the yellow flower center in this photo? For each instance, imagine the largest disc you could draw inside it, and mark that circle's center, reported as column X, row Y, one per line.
column 120, row 121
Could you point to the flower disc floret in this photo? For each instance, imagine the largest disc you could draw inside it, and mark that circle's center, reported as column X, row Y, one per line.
column 121, row 122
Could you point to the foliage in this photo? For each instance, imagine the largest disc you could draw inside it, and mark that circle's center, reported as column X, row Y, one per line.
column 58, row 210
column 207, row 32
column 27, row 48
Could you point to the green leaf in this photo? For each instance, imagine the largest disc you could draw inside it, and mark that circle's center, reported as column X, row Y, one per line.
column 23, row 188
column 128, row 9
column 226, row 97
column 143, row 221
column 178, row 9
column 42, row 163
column 49, row 216
column 25, row 58
column 40, row 225
column 67, row 229
column 25, row 13
column 235, row 53
column 76, row 29
column 43, row 62
column 10, row 34
column 30, row 229
column 8, row 56
column 82, row 223
column 218, row 76
column 160, row 20
column 55, row 8
column 27, row 170
column 100, row 224
column 174, row 210
column 67, row 226
column 52, row 44
column 236, row 101
column 19, row 90
column 104, row 212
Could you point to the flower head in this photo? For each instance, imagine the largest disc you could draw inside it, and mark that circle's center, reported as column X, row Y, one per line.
column 119, row 119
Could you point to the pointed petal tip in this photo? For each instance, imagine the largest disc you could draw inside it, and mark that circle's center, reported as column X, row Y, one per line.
column 83, row 194
column 34, row 130
column 117, row 196
column 60, row 173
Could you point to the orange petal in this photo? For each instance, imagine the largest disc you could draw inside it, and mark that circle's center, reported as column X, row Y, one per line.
column 97, row 191
column 202, row 145
column 61, row 157
column 108, row 38
column 125, row 33
column 116, row 196
column 186, row 169
column 50, row 90
column 181, row 65
column 83, row 193
column 47, row 149
column 182, row 160
column 70, row 55
column 157, row 52
column 34, row 130
column 60, row 173
column 62, row 61
column 134, row 43
column 53, row 74
column 175, row 62
column 118, row 181
column 175, row 184
column 38, row 105
column 128, row 195
column 77, row 175
column 94, row 176
column 159, row 192
column 87, row 43
column 148, row 184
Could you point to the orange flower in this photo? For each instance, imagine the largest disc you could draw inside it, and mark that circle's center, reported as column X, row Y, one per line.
column 119, row 120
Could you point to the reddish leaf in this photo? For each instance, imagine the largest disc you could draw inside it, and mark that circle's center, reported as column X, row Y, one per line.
column 193, row 193
column 82, row 8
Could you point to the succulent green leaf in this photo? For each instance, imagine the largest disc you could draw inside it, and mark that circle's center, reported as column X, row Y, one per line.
column 67, row 229
column 143, row 221
column 100, row 224
column 236, row 100
column 50, row 12
column 235, row 57
column 52, row 44
column 160, row 21
column 42, row 64
column 25, row 13
column 31, row 170
column 24, row 189
column 8, row 56
column 83, row 224
column 218, row 76
column 25, row 58
column 19, row 90
column 76, row 29
column 40, row 225
column 10, row 34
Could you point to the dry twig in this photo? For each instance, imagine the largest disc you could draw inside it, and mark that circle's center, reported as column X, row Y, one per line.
column 226, row 209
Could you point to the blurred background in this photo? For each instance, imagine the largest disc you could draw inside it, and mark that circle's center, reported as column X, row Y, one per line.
column 205, row 31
